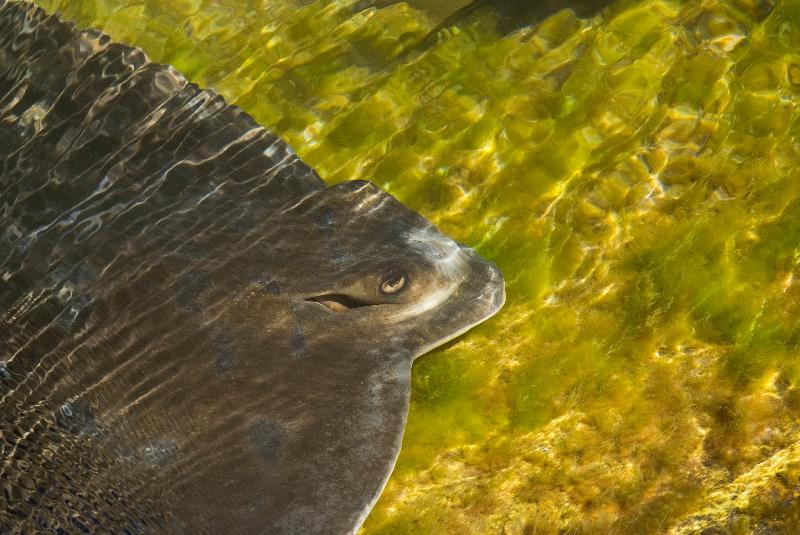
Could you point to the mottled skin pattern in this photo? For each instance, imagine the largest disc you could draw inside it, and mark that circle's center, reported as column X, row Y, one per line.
column 194, row 336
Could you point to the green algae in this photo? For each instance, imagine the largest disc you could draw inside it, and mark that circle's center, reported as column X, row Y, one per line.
column 634, row 175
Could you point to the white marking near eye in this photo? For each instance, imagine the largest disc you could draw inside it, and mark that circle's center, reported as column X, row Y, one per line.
column 429, row 302
column 448, row 259
column 433, row 245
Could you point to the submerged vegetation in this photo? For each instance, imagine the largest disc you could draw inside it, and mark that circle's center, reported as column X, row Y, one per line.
column 635, row 177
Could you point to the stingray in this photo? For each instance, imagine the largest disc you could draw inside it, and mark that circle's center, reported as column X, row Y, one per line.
column 197, row 334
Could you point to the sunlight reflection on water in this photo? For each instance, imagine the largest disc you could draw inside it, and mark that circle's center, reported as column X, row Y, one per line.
column 633, row 175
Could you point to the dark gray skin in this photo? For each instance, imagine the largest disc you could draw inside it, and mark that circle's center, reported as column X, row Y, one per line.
column 196, row 334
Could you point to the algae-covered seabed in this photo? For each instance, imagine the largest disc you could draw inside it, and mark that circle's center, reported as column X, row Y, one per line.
column 634, row 175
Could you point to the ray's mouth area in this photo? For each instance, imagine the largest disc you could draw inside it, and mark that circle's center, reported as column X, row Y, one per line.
column 338, row 302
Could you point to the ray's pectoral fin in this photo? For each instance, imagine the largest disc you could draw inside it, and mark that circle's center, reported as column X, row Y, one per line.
column 311, row 455
column 76, row 417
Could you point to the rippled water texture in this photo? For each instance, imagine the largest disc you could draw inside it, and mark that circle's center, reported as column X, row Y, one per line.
column 634, row 175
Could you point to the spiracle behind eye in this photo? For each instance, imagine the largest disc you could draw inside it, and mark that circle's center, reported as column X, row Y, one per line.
column 394, row 282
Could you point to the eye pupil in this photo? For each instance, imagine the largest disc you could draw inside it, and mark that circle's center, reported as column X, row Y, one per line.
column 394, row 282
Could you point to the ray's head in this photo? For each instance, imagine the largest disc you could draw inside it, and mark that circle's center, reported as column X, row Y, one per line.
column 301, row 333
column 373, row 265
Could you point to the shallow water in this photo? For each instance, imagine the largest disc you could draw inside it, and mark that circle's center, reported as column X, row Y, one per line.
column 632, row 174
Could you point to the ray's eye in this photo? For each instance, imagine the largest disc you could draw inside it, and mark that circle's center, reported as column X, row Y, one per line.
column 394, row 282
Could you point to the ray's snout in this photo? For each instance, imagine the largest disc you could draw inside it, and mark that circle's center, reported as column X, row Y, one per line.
column 489, row 279
column 468, row 289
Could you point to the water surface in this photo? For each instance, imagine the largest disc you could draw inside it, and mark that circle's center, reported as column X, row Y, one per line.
column 634, row 175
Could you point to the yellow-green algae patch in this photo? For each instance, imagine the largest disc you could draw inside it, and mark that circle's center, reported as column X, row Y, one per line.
column 635, row 176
